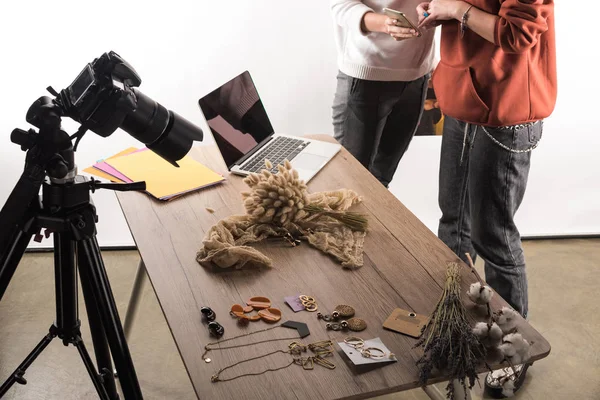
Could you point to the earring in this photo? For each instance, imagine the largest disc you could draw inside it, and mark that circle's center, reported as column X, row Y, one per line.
column 309, row 303
column 208, row 314
column 353, row 324
column 215, row 329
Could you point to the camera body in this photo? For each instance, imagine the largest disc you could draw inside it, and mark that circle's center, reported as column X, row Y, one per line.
column 102, row 95
column 105, row 97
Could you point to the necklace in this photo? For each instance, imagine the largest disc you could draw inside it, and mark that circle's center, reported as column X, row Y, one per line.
column 294, row 348
column 207, row 348
column 321, row 350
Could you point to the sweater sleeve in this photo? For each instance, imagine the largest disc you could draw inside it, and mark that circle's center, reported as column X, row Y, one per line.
column 521, row 24
column 349, row 13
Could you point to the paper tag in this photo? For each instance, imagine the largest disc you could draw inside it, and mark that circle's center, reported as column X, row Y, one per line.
column 295, row 303
column 358, row 359
column 406, row 322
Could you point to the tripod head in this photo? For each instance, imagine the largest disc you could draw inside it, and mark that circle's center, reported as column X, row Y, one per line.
column 50, row 148
column 103, row 98
column 50, row 157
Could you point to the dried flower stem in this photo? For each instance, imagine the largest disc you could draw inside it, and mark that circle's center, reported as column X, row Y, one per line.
column 355, row 221
column 449, row 342
column 472, row 265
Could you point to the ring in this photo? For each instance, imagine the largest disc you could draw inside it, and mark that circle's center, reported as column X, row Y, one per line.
column 354, row 341
column 426, row 14
column 367, row 353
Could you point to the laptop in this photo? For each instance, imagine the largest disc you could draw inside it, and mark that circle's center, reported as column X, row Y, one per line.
column 245, row 137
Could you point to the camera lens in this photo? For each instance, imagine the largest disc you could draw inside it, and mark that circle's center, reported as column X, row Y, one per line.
column 162, row 131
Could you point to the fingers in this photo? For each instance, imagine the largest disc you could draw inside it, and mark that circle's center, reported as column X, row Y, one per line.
column 403, row 35
column 399, row 30
column 422, row 11
column 391, row 22
column 428, row 22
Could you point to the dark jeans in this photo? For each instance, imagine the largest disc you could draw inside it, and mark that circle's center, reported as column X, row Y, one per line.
column 375, row 121
column 480, row 195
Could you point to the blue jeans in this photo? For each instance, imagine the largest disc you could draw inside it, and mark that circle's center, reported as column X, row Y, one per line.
column 483, row 176
column 375, row 121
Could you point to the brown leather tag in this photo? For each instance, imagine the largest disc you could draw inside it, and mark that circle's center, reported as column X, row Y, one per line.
column 406, row 322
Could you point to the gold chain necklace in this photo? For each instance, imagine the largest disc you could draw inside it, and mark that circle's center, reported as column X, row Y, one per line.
column 207, row 347
column 294, row 348
column 321, row 349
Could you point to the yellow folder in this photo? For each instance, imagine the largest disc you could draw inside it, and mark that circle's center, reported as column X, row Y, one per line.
column 163, row 180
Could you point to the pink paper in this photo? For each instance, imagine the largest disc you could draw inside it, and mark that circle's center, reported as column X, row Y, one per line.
column 104, row 167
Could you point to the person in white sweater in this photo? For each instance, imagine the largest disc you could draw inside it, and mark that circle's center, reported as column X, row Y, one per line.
column 382, row 81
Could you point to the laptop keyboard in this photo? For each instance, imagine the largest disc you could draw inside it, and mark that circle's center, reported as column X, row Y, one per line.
column 277, row 151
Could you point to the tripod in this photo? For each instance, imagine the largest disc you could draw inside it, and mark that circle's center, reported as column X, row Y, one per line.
column 65, row 210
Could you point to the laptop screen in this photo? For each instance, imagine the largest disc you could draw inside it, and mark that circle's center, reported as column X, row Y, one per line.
column 236, row 117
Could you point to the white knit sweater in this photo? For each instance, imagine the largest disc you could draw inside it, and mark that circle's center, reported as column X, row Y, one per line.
column 377, row 56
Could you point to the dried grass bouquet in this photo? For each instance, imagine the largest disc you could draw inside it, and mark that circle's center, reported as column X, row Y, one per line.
column 279, row 205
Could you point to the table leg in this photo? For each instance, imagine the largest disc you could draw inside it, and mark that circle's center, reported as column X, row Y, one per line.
column 134, row 299
column 435, row 394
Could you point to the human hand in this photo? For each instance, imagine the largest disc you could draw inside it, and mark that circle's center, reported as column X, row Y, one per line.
column 432, row 13
column 398, row 32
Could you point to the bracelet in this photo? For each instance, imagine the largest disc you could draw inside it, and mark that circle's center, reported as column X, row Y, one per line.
column 464, row 20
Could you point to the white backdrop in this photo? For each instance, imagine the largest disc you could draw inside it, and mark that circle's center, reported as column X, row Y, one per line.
column 184, row 48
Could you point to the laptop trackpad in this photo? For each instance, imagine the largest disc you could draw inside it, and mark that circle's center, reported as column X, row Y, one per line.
column 308, row 161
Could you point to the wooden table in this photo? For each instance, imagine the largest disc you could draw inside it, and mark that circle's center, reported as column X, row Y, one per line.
column 404, row 266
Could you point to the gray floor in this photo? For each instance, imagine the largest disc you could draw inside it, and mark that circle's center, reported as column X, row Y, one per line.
column 563, row 278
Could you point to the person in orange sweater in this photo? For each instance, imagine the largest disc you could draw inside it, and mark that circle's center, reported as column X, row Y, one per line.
column 495, row 83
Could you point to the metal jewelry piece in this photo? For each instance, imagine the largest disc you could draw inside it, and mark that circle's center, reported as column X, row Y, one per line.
column 353, row 324
column 354, row 342
column 340, row 311
column 208, row 314
column 309, row 303
column 344, row 311
column 295, row 349
column 357, row 324
column 368, row 353
column 463, row 22
column 216, row 329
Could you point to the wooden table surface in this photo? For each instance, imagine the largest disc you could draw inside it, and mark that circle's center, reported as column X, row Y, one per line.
column 404, row 266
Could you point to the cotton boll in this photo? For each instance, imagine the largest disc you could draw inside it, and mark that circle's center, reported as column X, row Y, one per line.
column 517, row 341
column 486, row 294
column 474, row 289
column 480, row 294
column 495, row 332
column 508, row 388
column 495, row 335
column 521, row 346
column 507, row 349
column 481, row 330
column 507, row 319
column 473, row 292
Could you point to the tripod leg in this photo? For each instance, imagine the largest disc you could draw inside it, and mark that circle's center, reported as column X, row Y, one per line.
column 12, row 257
column 89, row 365
column 65, row 278
column 17, row 375
column 97, row 329
column 91, row 260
